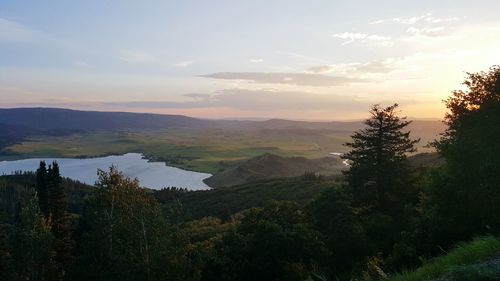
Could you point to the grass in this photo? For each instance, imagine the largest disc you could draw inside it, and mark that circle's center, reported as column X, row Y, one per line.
column 482, row 271
column 464, row 260
column 198, row 149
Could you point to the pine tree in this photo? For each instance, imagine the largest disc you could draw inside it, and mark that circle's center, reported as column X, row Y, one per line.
column 33, row 244
column 57, row 196
column 61, row 227
column 6, row 262
column 379, row 167
column 42, row 188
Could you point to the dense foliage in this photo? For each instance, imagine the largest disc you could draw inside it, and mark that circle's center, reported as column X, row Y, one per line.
column 463, row 196
column 385, row 216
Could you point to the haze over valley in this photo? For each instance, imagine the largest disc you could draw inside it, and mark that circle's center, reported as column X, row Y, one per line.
column 268, row 140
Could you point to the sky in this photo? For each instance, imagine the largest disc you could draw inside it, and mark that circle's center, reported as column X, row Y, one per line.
column 303, row 60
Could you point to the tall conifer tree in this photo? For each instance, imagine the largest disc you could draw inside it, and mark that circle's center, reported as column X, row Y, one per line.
column 61, row 227
column 379, row 166
column 42, row 188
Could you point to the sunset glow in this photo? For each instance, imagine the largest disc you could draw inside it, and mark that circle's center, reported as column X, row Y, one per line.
column 321, row 60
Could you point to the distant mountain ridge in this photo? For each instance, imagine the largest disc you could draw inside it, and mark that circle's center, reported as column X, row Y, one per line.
column 68, row 119
column 17, row 124
column 60, row 118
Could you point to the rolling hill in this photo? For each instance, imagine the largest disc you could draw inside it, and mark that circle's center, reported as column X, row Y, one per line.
column 75, row 120
column 222, row 147
column 268, row 166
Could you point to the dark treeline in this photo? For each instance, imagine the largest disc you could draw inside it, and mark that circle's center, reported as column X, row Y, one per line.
column 384, row 217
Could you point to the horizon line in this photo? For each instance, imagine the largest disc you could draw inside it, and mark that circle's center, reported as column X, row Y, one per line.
column 256, row 119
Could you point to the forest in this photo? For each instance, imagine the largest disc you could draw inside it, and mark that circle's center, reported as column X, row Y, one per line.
column 383, row 219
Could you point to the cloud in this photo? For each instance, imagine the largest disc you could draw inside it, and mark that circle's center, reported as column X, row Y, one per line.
column 376, row 66
column 355, row 69
column 256, row 60
column 80, row 64
column 441, row 20
column 256, row 100
column 350, row 37
column 320, row 69
column 293, row 55
column 427, row 17
column 11, row 31
column 197, row 96
column 438, row 31
column 14, row 32
column 135, row 56
column 298, row 79
column 184, row 64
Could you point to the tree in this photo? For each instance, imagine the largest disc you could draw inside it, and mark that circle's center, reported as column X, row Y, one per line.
column 463, row 196
column 333, row 215
column 61, row 224
column 42, row 188
column 271, row 243
column 127, row 238
column 380, row 173
column 33, row 244
column 6, row 261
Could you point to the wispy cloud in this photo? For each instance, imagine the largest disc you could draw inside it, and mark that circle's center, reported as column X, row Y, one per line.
column 135, row 56
column 184, row 64
column 298, row 79
column 356, row 69
column 350, row 37
column 377, row 66
column 81, row 64
column 437, row 31
column 427, row 17
column 244, row 99
column 321, row 69
column 12, row 31
column 256, row 60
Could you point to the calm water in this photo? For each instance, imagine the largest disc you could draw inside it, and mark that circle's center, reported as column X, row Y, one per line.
column 154, row 175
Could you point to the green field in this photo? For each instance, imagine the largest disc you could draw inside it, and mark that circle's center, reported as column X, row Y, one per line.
column 201, row 149
column 205, row 150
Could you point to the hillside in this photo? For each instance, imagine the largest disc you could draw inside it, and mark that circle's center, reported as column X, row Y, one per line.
column 476, row 260
column 18, row 188
column 426, row 159
column 76, row 120
column 12, row 133
column 229, row 200
column 269, row 166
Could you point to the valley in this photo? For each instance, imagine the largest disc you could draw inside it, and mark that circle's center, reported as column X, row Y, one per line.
column 218, row 147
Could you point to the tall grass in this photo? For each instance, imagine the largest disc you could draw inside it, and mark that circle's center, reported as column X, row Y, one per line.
column 479, row 249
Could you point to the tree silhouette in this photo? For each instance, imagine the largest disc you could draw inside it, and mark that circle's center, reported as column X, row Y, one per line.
column 379, row 166
column 464, row 195
column 42, row 189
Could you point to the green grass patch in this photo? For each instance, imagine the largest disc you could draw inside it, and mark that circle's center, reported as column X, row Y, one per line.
column 198, row 149
column 459, row 262
column 485, row 271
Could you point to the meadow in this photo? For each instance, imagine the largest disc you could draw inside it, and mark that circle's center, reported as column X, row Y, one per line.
column 204, row 150
column 199, row 149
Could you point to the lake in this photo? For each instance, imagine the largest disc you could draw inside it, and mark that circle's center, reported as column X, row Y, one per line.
column 154, row 175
